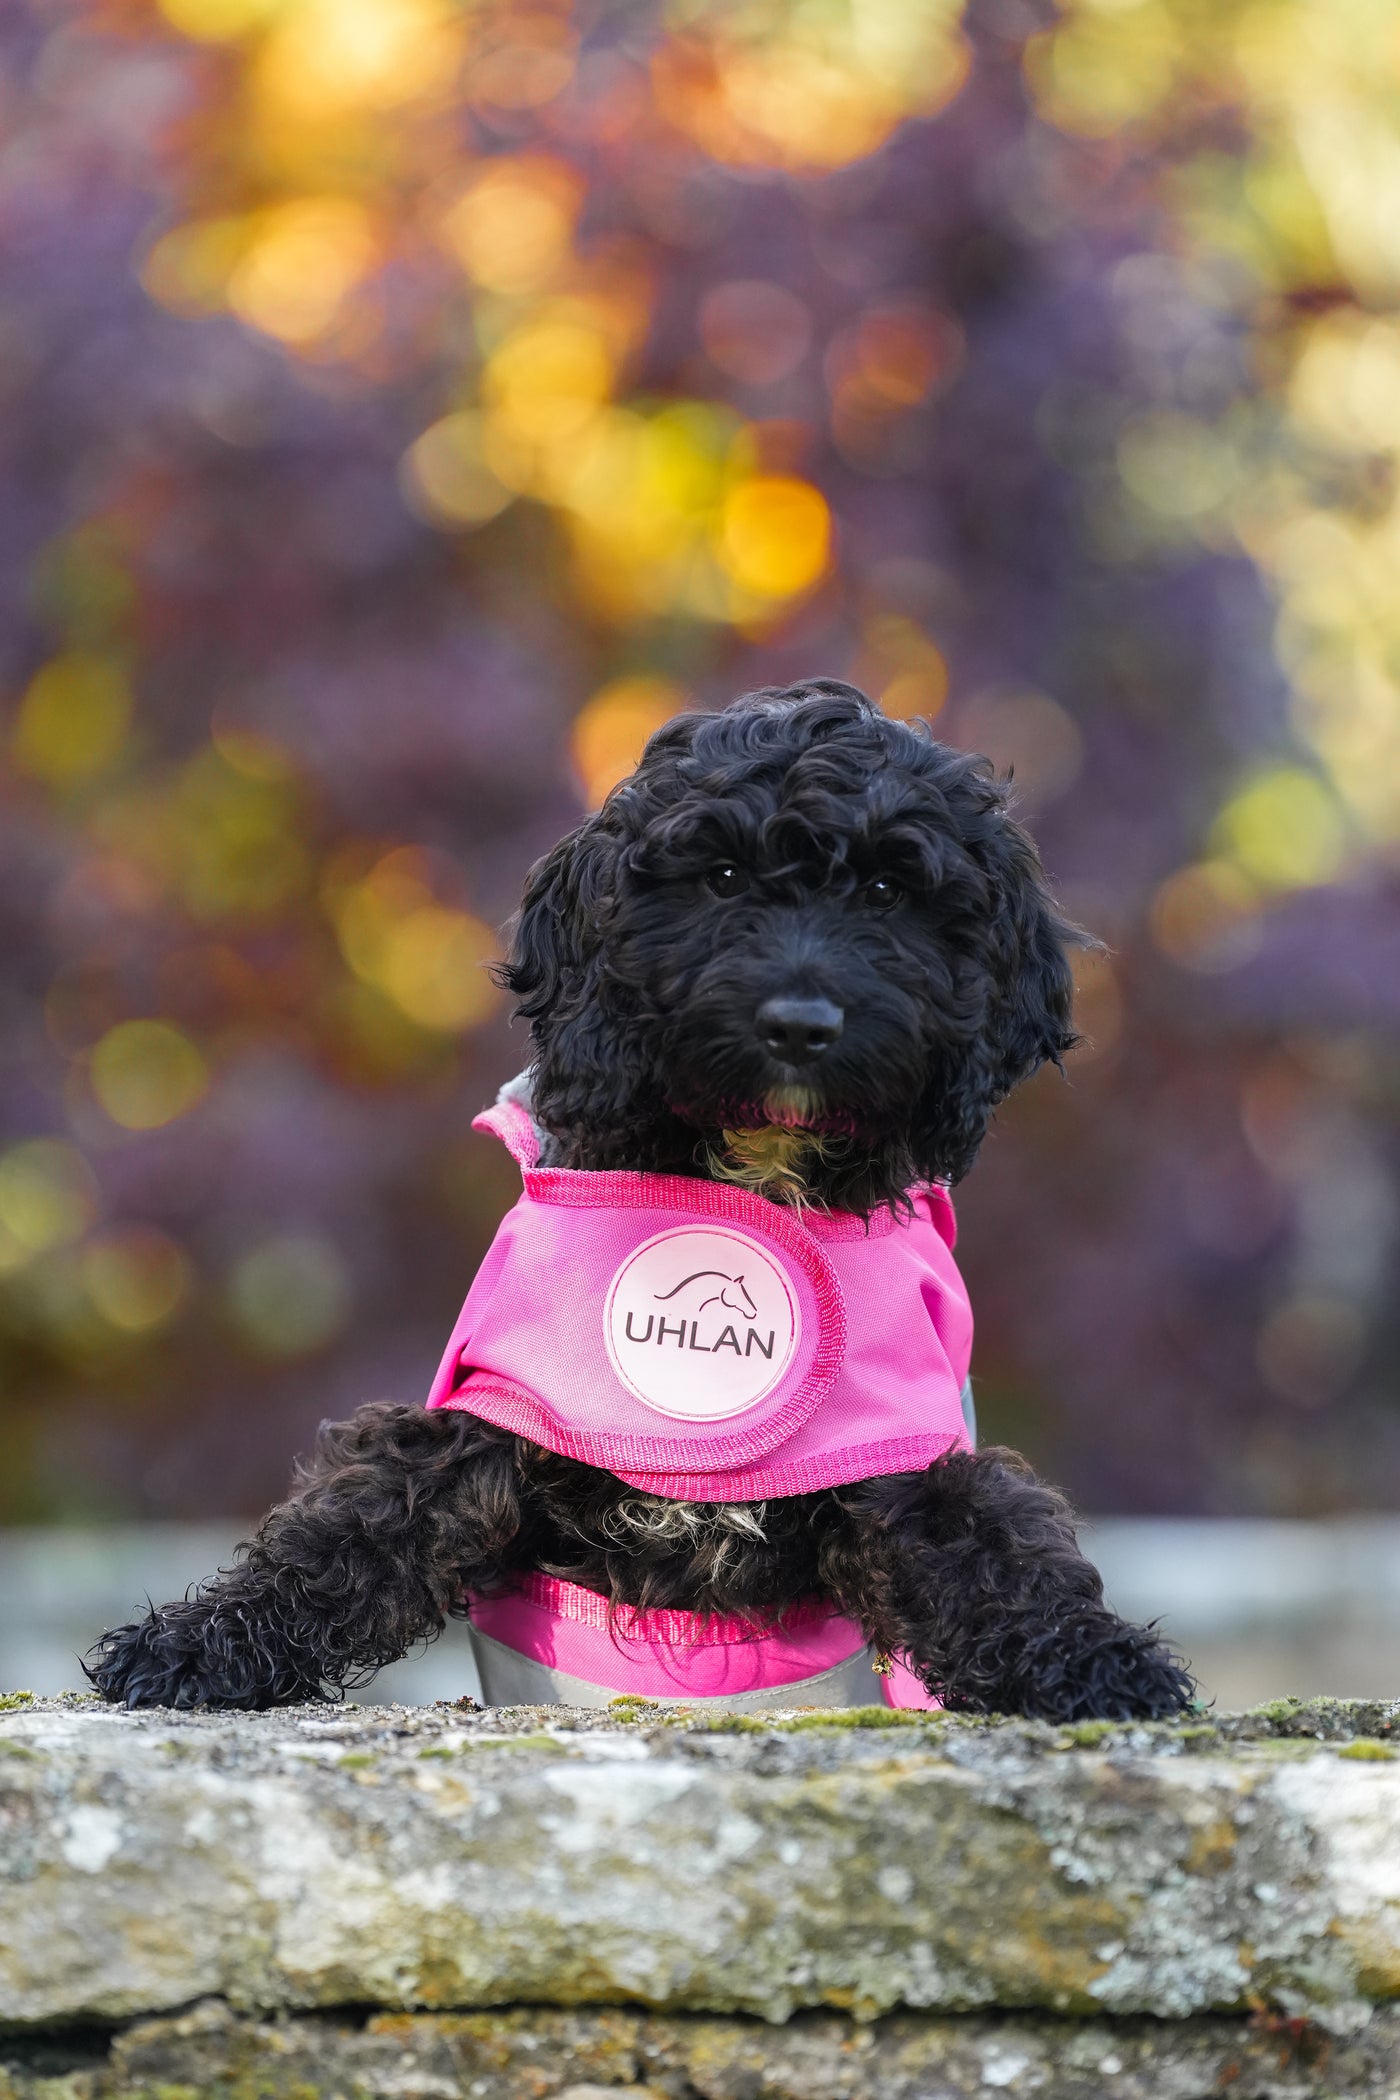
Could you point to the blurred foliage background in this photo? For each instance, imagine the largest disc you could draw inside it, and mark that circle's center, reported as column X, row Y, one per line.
column 410, row 403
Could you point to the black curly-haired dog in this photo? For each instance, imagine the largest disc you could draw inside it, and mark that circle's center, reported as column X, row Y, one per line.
column 805, row 948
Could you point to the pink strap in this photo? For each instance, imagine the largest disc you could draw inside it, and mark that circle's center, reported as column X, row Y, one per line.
column 676, row 1654
column 661, row 1654
column 570, row 1600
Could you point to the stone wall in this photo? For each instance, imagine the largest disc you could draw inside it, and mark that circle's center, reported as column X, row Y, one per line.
column 437, row 1901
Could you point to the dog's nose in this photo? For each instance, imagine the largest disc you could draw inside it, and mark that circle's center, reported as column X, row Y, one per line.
column 798, row 1030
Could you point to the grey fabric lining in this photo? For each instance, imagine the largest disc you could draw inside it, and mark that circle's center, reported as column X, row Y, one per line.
column 511, row 1679
column 518, row 1091
column 969, row 1408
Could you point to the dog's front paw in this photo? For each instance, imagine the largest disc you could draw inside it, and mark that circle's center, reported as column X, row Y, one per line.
column 162, row 1660
column 186, row 1655
column 1109, row 1672
column 147, row 1663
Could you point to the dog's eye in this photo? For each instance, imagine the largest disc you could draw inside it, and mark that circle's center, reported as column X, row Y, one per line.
column 881, row 893
column 726, row 880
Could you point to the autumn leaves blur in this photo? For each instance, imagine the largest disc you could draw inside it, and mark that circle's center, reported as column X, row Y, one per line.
column 1302, row 475
column 672, row 507
column 526, row 370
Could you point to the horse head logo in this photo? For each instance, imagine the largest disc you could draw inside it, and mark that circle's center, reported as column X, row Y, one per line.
column 733, row 1292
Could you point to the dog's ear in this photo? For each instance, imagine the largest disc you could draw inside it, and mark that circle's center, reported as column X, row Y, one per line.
column 1020, row 964
column 1031, row 943
column 588, row 1076
column 555, row 933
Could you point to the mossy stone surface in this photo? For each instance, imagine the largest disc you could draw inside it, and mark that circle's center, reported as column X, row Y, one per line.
column 321, row 1857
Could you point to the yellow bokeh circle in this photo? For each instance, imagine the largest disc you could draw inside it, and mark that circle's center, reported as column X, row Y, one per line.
column 434, row 967
column 429, row 958
column 607, row 738
column 73, row 719
column 146, row 1073
column 775, row 535
column 445, row 475
column 303, row 260
column 512, row 226
column 1284, row 829
column 290, row 1294
column 48, row 1198
column 136, row 1276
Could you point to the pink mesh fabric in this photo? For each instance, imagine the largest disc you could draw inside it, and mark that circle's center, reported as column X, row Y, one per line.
column 703, row 1343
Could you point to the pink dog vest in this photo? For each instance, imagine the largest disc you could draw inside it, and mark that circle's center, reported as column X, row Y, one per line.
column 705, row 1344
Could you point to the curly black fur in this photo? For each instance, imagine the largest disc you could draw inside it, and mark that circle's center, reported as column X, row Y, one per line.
column 641, row 984
column 871, row 868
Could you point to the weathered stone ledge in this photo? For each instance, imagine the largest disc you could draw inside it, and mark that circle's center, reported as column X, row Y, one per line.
column 434, row 1859
column 539, row 2053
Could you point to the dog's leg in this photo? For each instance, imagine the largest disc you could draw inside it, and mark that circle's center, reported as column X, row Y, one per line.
column 397, row 1514
column 972, row 1570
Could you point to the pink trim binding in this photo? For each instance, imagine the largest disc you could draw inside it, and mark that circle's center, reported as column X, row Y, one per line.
column 508, row 1121
column 688, row 1629
column 511, row 1407
column 803, row 1476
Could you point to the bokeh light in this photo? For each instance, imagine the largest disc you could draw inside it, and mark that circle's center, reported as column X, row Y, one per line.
column 73, row 719
column 48, row 1197
column 428, row 958
column 136, row 1277
column 446, row 477
column 1030, row 737
column 611, row 729
column 1207, row 916
column 289, row 1295
column 1284, row 830
column 326, row 58
column 297, row 265
column 754, row 330
column 146, row 1073
column 808, row 87
column 513, row 224
column 775, row 535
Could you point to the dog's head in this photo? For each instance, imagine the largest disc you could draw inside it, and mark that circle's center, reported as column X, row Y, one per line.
column 796, row 915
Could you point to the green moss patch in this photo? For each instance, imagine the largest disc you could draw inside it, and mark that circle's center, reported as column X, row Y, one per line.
column 855, row 1717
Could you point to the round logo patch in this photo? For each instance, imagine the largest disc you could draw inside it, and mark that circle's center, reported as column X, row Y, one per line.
column 700, row 1323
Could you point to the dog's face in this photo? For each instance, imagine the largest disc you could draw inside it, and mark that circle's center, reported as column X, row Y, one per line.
column 795, row 915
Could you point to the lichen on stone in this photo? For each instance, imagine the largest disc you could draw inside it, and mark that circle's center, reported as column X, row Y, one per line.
column 726, row 1865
